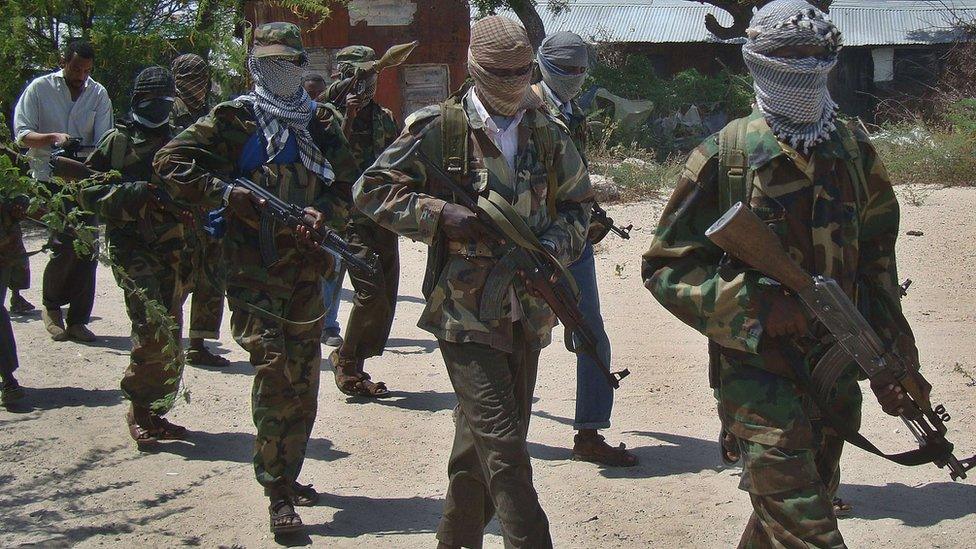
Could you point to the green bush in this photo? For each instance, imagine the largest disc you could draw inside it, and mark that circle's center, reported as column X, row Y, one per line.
column 915, row 155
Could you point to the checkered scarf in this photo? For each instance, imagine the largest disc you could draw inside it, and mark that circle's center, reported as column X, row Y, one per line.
column 500, row 44
column 792, row 94
column 192, row 80
column 282, row 107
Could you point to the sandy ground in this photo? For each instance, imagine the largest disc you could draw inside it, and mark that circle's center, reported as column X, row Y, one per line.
column 71, row 476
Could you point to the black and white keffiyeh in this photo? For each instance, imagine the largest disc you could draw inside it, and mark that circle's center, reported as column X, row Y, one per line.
column 282, row 107
column 791, row 93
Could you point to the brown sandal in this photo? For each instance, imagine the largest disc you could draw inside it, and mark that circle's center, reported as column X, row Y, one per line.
column 728, row 447
column 141, row 435
column 164, row 430
column 284, row 519
column 596, row 450
column 357, row 384
column 842, row 509
column 303, row 495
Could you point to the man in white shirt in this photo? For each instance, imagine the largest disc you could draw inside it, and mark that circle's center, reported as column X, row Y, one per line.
column 52, row 109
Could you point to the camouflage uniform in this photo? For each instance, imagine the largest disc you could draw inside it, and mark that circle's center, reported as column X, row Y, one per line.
column 492, row 363
column 276, row 309
column 20, row 269
column 10, row 247
column 202, row 263
column 145, row 244
column 374, row 304
column 833, row 227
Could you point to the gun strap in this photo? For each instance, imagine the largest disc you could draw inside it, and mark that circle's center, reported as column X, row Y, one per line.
column 517, row 231
column 929, row 453
column 493, row 298
column 734, row 173
column 268, row 314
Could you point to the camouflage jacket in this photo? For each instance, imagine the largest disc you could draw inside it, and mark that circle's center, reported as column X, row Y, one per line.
column 180, row 118
column 191, row 167
column 130, row 218
column 826, row 221
column 373, row 130
column 398, row 195
column 575, row 123
column 9, row 235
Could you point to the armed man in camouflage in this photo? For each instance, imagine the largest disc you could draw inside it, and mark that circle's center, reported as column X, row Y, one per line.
column 492, row 138
column 273, row 282
column 19, row 275
column 820, row 186
column 202, row 264
column 564, row 59
column 145, row 239
column 370, row 129
column 11, row 214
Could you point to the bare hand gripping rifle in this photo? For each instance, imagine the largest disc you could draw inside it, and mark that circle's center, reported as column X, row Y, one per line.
column 744, row 236
column 293, row 217
column 539, row 269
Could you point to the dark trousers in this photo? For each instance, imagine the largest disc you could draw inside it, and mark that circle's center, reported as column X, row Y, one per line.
column 374, row 304
column 489, row 469
column 8, row 347
column 69, row 280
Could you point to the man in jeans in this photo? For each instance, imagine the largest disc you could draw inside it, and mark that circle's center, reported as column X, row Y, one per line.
column 54, row 108
column 563, row 61
column 10, row 216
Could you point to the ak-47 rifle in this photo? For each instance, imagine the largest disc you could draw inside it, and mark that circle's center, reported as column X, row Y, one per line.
column 539, row 270
column 599, row 216
column 355, row 85
column 73, row 170
column 293, row 217
column 744, row 236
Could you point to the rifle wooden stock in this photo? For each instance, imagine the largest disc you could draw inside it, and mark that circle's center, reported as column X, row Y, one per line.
column 70, row 170
column 743, row 235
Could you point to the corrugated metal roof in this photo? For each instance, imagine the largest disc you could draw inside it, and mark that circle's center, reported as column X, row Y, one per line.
column 863, row 22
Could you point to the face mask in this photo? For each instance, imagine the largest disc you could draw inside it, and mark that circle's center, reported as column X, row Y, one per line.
column 153, row 113
column 565, row 85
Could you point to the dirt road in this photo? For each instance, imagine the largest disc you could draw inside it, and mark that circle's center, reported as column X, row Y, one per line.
column 70, row 476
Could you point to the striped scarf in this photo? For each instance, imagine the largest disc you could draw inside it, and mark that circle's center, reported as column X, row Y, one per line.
column 282, row 107
column 792, row 94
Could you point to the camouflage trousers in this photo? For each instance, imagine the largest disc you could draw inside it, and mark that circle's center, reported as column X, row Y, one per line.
column 374, row 304
column 791, row 460
column 284, row 397
column 152, row 379
column 489, row 470
column 203, row 277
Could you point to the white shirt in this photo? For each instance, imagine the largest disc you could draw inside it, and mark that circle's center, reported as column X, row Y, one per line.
column 46, row 107
column 506, row 140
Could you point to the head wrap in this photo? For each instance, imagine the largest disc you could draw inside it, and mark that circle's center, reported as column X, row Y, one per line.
column 792, row 94
column 152, row 97
column 346, row 61
column 282, row 107
column 563, row 49
column 192, row 80
column 500, row 45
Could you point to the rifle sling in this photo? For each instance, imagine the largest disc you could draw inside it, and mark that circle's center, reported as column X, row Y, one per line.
column 929, row 453
column 268, row 314
column 518, row 232
column 493, row 294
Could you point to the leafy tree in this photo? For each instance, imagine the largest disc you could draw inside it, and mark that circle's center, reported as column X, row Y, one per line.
column 527, row 12
column 741, row 12
column 128, row 35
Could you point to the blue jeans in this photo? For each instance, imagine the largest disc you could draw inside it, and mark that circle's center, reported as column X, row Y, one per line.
column 594, row 397
column 331, row 288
